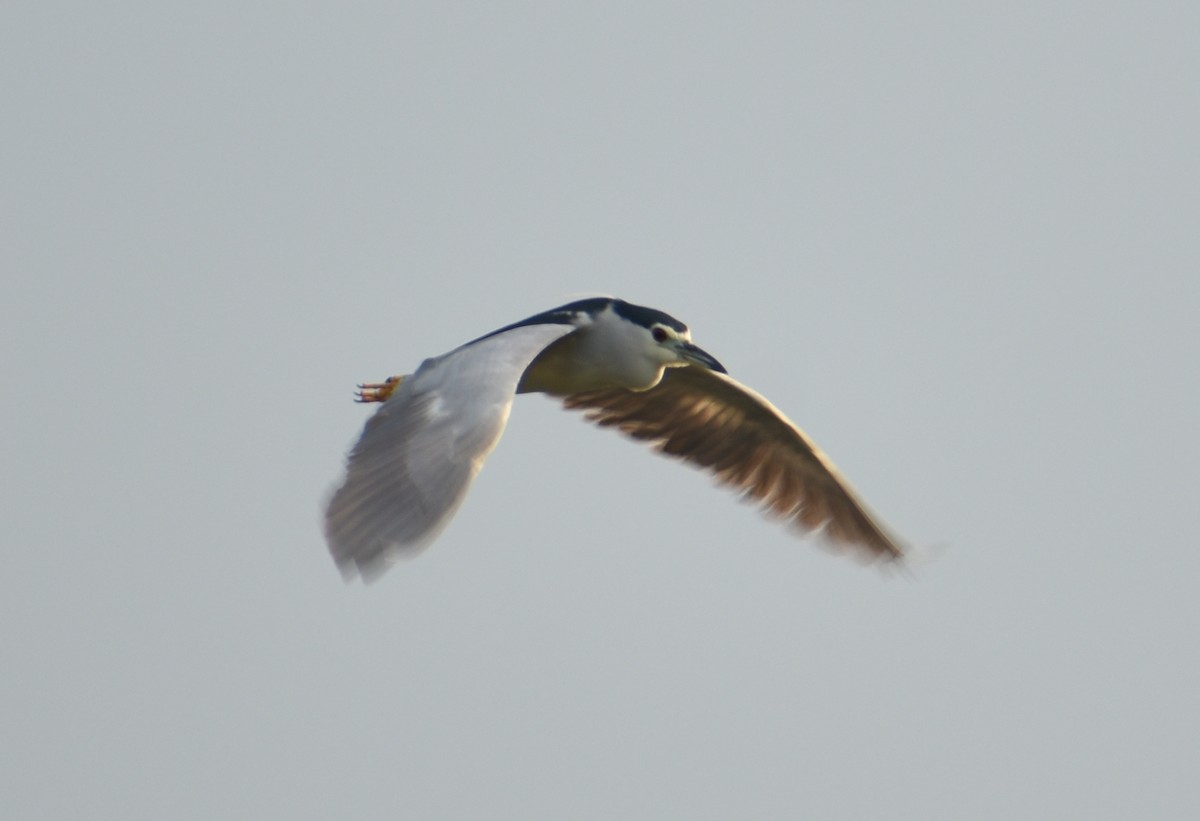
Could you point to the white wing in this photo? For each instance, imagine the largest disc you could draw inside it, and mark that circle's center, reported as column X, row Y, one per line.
column 720, row 425
column 418, row 454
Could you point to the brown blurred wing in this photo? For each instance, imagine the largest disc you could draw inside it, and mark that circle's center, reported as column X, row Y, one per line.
column 712, row 421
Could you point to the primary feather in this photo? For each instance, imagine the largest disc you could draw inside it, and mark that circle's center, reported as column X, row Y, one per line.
column 746, row 443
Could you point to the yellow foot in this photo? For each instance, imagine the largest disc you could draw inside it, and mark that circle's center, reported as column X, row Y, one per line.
column 378, row 391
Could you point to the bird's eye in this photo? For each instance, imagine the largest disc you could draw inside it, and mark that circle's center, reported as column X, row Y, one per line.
column 659, row 334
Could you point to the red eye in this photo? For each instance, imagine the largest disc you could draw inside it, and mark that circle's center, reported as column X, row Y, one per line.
column 659, row 334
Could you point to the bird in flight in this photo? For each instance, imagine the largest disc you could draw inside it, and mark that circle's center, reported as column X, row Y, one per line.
column 627, row 367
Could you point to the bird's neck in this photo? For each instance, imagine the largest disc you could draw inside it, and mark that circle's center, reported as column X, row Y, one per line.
column 570, row 365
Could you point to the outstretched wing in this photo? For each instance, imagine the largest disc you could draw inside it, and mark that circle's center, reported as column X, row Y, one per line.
column 418, row 454
column 712, row 421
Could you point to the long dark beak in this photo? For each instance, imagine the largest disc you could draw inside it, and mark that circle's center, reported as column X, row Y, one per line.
column 698, row 356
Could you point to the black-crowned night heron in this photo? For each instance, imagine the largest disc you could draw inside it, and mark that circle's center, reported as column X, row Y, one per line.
column 628, row 367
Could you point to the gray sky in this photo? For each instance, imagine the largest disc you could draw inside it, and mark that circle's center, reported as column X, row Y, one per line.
column 957, row 244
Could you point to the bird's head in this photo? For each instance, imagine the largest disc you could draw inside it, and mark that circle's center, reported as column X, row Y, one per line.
column 671, row 345
column 616, row 344
column 648, row 338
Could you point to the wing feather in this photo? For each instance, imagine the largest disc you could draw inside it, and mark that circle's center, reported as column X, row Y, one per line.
column 715, row 423
column 411, row 468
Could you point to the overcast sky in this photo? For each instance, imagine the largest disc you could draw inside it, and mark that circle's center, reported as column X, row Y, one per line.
column 957, row 243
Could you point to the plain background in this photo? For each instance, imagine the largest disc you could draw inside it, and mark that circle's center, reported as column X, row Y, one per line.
column 956, row 242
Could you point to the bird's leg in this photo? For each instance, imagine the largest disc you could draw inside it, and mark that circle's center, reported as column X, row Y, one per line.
column 378, row 391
